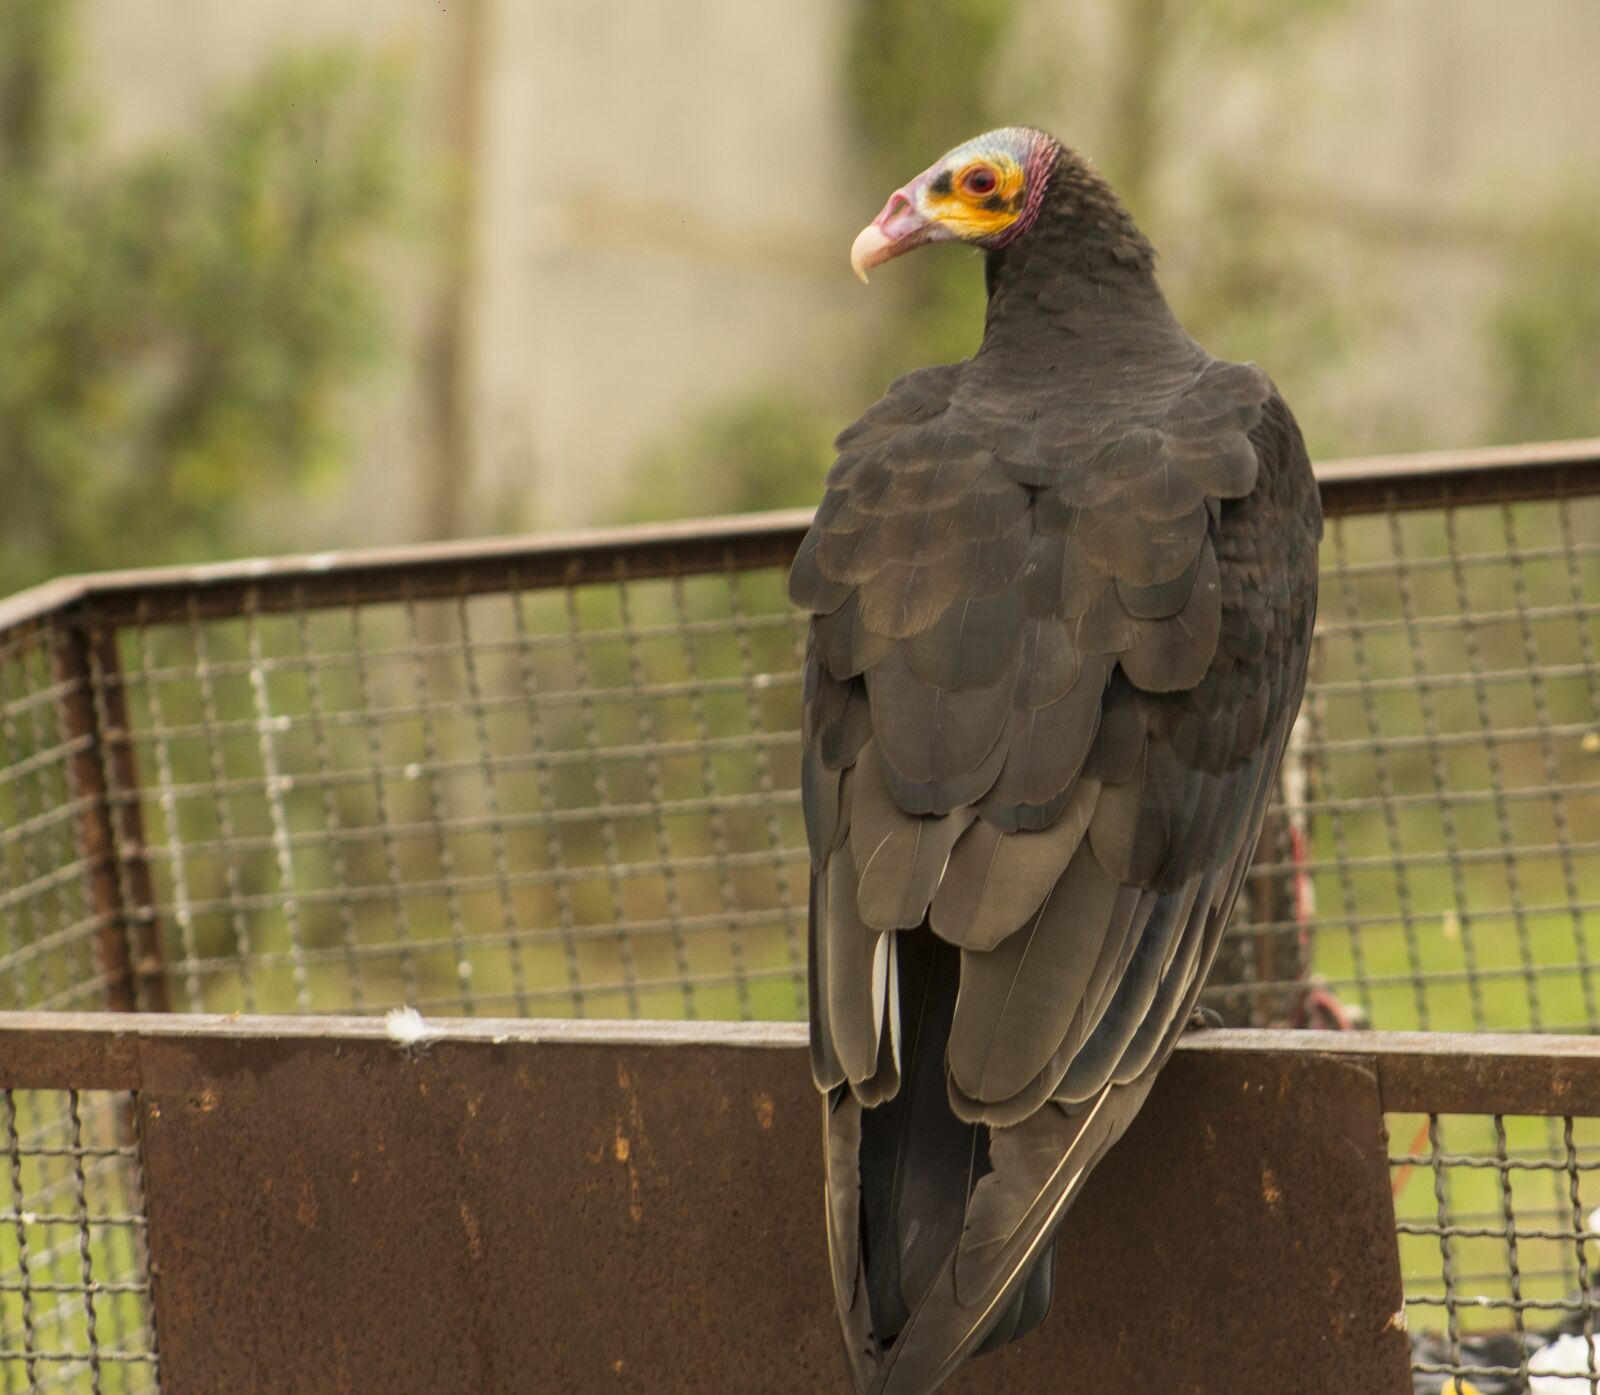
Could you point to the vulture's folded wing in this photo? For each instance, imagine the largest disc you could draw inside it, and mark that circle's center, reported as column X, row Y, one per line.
column 1049, row 682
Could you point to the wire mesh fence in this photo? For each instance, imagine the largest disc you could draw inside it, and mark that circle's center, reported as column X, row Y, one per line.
column 75, row 1309
column 1454, row 767
column 562, row 779
column 1497, row 1219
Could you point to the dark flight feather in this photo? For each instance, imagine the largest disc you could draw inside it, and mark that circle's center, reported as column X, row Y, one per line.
column 1062, row 597
column 996, row 880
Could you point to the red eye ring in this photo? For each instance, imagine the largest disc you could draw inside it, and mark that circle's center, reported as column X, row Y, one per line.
column 980, row 181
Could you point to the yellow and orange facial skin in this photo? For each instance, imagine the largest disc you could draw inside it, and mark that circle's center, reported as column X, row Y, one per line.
column 976, row 194
column 977, row 198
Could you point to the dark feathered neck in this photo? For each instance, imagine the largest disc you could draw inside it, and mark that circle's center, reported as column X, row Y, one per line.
column 1083, row 266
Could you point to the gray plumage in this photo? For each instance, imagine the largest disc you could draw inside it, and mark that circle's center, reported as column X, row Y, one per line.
column 1062, row 597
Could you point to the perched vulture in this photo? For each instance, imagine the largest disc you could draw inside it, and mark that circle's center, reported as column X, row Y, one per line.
column 1061, row 598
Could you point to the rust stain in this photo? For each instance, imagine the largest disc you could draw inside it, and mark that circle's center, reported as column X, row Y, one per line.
column 622, row 1150
column 1271, row 1191
column 764, row 1108
column 631, row 1146
column 469, row 1223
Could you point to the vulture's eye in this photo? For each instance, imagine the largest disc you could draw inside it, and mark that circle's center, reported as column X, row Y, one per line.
column 980, row 181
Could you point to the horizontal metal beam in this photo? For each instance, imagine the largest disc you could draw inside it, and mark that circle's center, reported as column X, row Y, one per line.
column 533, row 1207
column 1458, row 478
column 1450, row 1072
column 1468, row 1073
column 1435, row 479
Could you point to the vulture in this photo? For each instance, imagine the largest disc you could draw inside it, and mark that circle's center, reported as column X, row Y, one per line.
column 1061, row 597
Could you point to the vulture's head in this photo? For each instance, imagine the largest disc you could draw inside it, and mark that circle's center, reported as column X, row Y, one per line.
column 986, row 192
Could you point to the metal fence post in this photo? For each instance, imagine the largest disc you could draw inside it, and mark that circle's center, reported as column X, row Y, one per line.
column 117, row 883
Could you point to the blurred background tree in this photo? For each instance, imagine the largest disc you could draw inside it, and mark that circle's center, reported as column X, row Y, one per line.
column 765, row 451
column 194, row 296
column 177, row 329
column 1545, row 330
column 918, row 79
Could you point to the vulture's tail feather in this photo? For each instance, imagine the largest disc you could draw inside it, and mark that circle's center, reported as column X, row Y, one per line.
column 952, row 1254
column 919, row 1163
column 1029, row 1308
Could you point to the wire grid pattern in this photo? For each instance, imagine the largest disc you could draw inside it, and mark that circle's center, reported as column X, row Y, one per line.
column 584, row 799
column 1452, row 762
column 47, row 929
column 1498, row 1247
column 75, row 1309
column 581, row 800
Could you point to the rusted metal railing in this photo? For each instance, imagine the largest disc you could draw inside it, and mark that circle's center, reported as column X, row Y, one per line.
column 517, row 1205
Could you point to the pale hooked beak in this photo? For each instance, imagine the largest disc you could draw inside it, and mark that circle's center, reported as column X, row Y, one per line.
column 899, row 228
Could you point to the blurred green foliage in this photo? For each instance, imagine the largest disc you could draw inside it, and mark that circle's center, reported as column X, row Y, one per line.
column 1545, row 330
column 920, row 79
column 177, row 329
column 767, row 451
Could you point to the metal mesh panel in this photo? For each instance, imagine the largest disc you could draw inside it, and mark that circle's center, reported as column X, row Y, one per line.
column 1497, row 1233
column 47, row 930
column 75, row 1312
column 1454, row 767
column 581, row 800
column 565, row 781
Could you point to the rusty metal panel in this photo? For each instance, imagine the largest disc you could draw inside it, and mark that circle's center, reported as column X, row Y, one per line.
column 1235, row 1242
column 342, row 1215
column 1449, row 1072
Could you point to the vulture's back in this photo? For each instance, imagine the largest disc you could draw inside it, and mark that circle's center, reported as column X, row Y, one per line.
column 1060, row 630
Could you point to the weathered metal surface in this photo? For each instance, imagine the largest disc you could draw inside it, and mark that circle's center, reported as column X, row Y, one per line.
column 1442, row 1072
column 1440, row 479
column 1448, row 1072
column 375, row 575
column 1236, row 1242
column 118, row 889
column 484, row 1218
column 70, row 1051
column 506, row 1210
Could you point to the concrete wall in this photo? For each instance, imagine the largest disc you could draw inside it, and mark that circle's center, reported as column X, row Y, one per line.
column 665, row 194
column 660, row 219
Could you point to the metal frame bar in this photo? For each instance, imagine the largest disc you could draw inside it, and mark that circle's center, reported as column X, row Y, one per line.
column 110, row 831
column 1437, row 1072
column 1557, row 469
